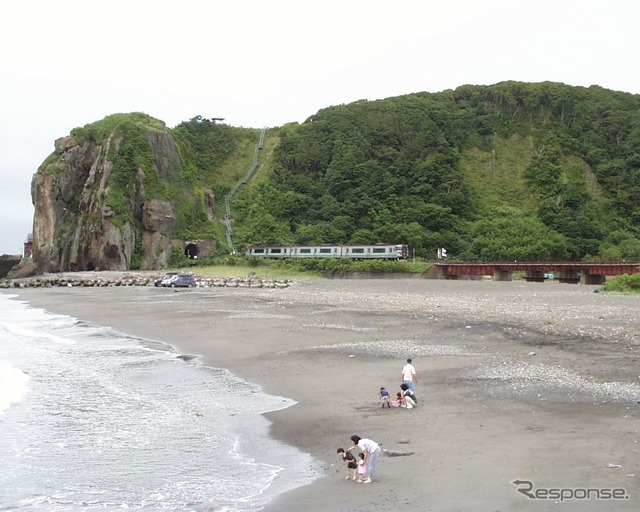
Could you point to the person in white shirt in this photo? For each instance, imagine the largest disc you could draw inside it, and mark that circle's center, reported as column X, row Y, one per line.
column 409, row 375
column 371, row 451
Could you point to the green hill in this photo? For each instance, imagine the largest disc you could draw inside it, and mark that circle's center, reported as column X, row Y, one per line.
column 128, row 192
column 509, row 171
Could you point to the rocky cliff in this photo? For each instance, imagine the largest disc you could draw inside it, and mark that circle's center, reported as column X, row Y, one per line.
column 7, row 262
column 98, row 202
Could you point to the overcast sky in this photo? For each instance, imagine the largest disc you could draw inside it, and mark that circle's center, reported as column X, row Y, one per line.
column 67, row 63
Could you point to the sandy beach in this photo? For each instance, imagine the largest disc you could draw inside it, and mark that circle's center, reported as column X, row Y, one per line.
column 530, row 382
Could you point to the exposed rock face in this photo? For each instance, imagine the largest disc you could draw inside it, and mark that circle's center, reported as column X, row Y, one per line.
column 76, row 226
column 23, row 269
column 210, row 204
column 159, row 221
column 7, row 262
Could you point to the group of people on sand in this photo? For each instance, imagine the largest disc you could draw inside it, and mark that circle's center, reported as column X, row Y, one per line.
column 365, row 464
column 362, row 468
column 406, row 397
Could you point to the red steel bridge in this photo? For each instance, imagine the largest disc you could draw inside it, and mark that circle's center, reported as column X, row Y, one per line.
column 563, row 271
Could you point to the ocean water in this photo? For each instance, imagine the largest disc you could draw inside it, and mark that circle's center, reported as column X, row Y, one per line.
column 92, row 419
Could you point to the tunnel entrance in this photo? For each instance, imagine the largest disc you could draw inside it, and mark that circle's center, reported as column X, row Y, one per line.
column 191, row 251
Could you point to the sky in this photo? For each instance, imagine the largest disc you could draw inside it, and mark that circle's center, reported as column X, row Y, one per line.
column 257, row 64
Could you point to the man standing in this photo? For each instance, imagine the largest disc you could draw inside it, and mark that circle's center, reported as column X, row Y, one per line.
column 371, row 451
column 409, row 375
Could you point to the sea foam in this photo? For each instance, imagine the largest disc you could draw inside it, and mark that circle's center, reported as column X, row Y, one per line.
column 13, row 385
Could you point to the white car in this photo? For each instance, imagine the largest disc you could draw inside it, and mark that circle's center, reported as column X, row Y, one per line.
column 166, row 279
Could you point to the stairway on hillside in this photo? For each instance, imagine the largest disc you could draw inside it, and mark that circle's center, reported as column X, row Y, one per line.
column 242, row 181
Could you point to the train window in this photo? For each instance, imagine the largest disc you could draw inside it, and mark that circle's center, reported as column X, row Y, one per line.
column 378, row 250
column 357, row 250
column 325, row 251
column 258, row 251
column 276, row 251
column 305, row 251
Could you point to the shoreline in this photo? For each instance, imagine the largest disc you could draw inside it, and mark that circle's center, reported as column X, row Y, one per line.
column 490, row 411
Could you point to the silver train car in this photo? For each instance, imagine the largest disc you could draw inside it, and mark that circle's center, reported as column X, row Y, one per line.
column 354, row 252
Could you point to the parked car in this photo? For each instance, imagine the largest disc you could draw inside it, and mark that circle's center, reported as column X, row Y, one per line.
column 181, row 281
column 164, row 280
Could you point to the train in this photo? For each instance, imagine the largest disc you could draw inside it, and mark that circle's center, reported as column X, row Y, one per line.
column 353, row 252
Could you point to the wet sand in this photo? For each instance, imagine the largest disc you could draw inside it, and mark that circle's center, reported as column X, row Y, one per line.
column 537, row 382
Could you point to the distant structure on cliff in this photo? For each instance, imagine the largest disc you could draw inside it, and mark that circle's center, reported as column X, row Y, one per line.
column 27, row 250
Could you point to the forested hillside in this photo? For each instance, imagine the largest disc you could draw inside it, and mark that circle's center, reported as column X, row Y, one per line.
column 512, row 171
column 509, row 171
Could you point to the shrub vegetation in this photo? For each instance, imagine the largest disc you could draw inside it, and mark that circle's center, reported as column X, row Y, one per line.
column 625, row 283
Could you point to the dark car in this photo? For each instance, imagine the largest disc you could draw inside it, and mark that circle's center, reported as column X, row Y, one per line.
column 181, row 281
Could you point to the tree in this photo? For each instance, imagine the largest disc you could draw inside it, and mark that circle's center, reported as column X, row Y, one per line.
column 516, row 237
column 320, row 233
column 620, row 245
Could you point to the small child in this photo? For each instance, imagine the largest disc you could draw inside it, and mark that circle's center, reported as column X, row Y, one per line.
column 362, row 469
column 398, row 401
column 351, row 463
column 384, row 398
